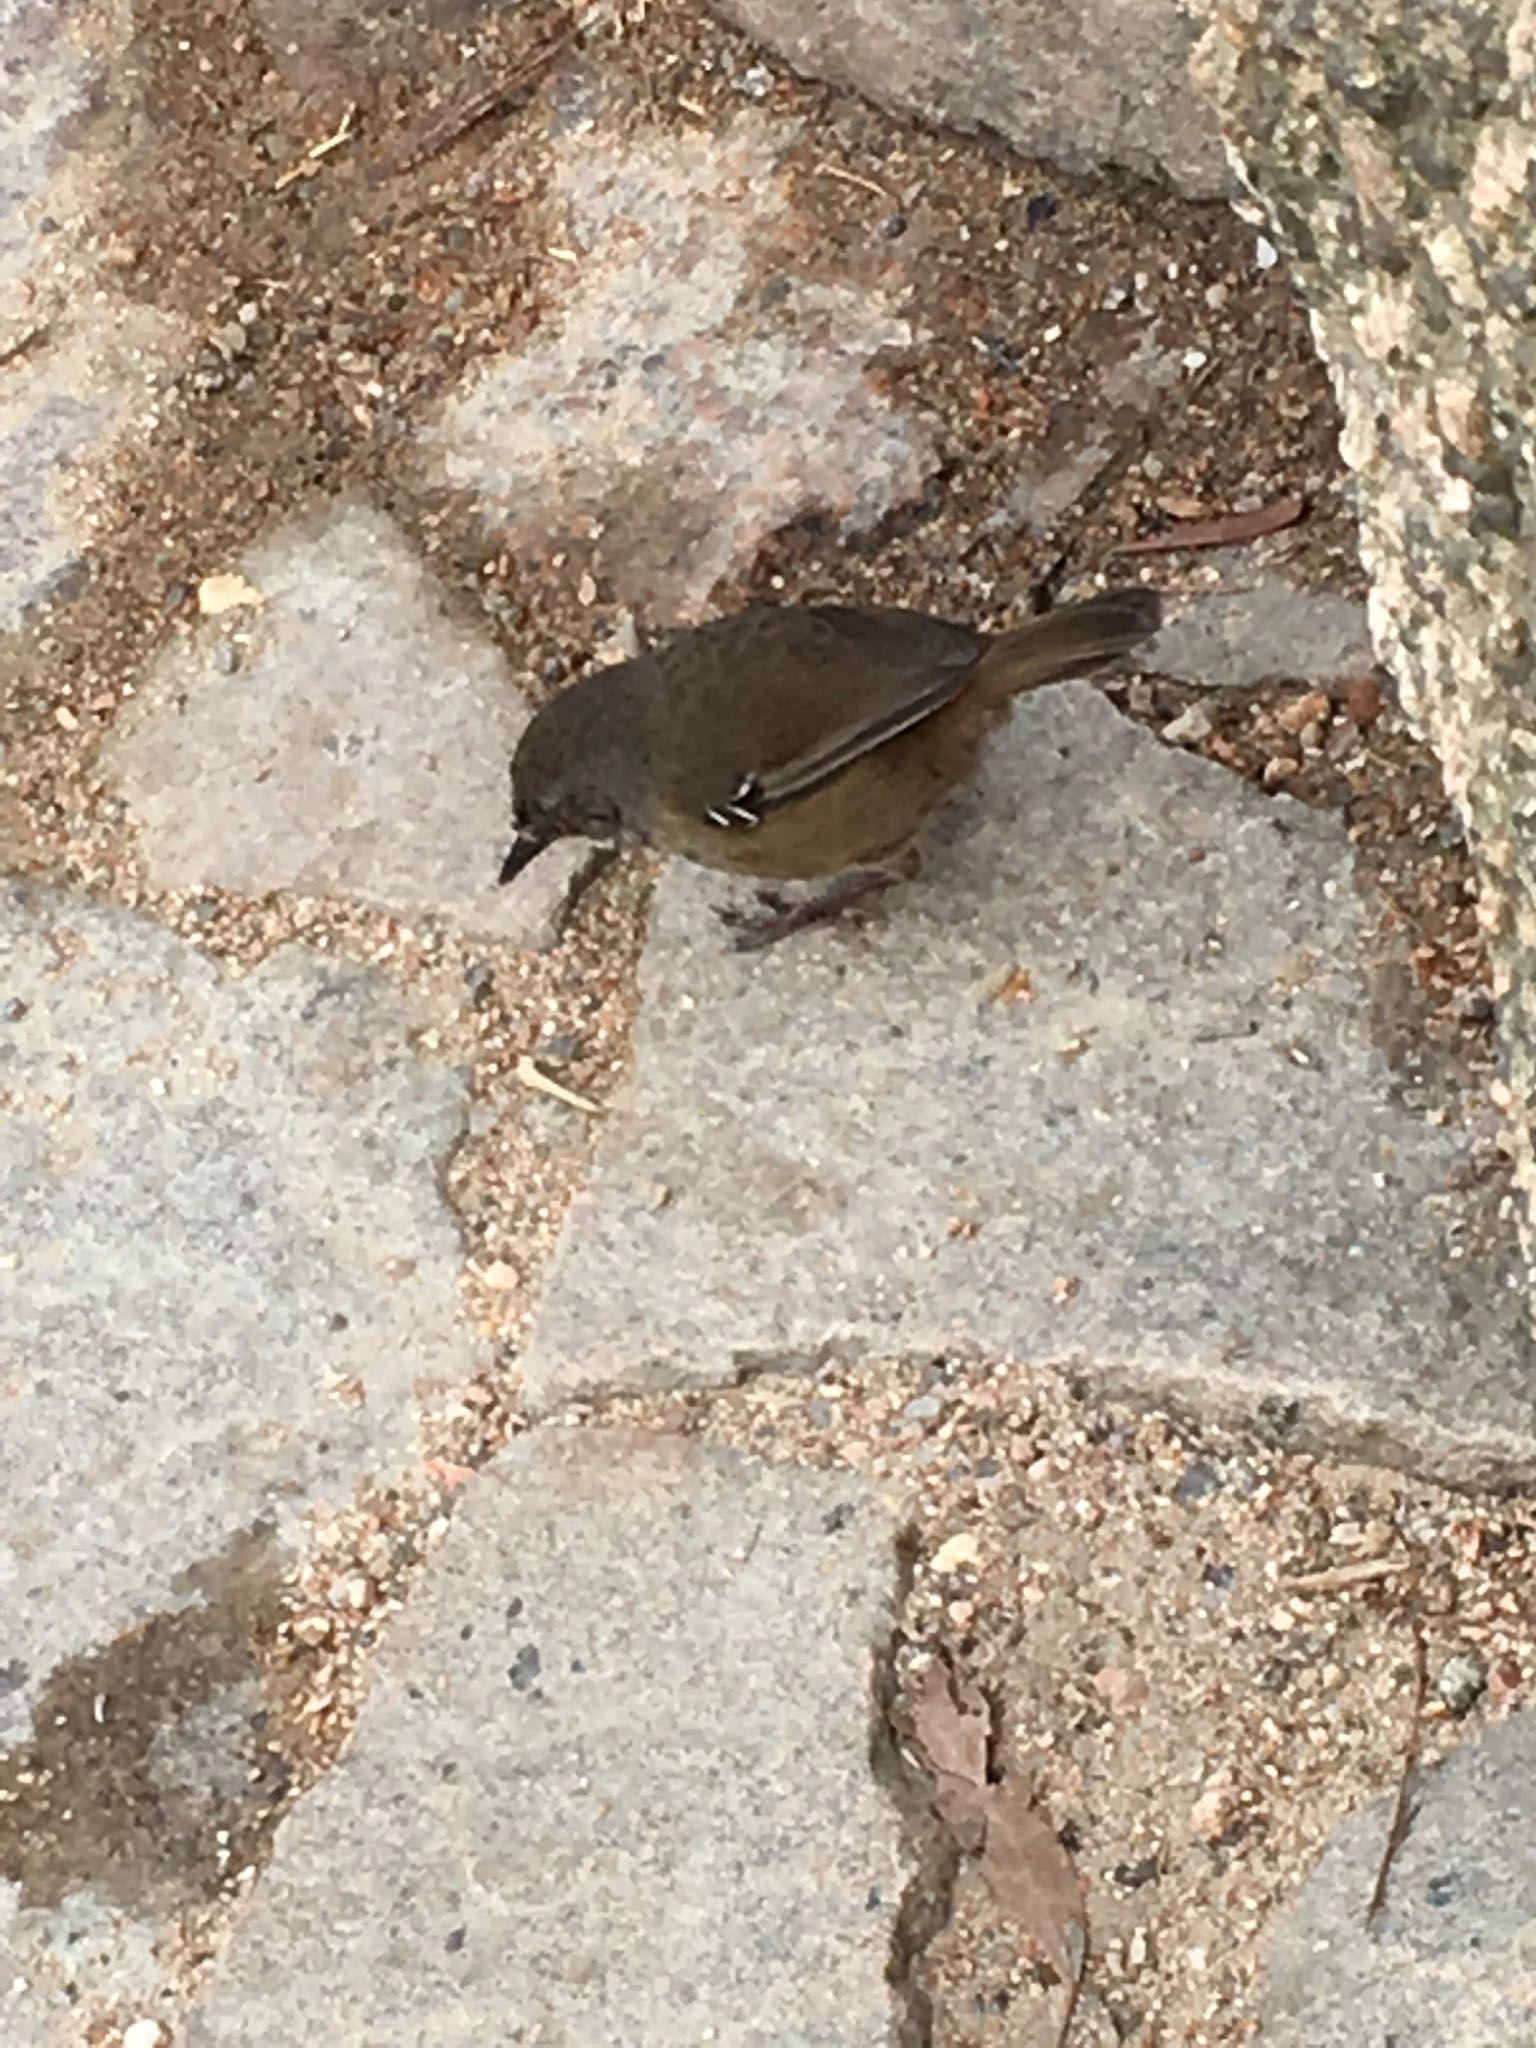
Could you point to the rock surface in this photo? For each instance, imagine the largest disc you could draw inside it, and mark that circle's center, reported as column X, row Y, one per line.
column 1448, row 1963
column 1092, row 83
column 226, row 1264
column 335, row 50
column 612, row 1782
column 223, row 1211
column 1100, row 1086
column 1265, row 632
column 1394, row 145
column 696, row 391
column 359, row 746
column 78, row 368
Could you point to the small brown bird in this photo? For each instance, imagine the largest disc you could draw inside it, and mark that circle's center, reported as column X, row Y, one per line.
column 790, row 742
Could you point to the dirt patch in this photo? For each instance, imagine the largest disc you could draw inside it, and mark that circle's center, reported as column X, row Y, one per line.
column 1198, row 1647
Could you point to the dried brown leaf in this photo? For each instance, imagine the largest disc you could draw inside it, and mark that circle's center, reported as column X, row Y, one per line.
column 1035, row 1881
column 1016, row 986
column 951, row 1730
column 1229, row 530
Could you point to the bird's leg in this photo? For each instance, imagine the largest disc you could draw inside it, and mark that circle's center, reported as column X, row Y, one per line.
column 597, row 863
column 772, row 901
column 751, row 934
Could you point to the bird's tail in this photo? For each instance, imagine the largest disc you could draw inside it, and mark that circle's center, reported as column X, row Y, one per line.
column 1068, row 642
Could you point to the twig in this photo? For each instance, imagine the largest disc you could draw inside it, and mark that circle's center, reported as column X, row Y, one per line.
column 305, row 167
column 22, row 343
column 466, row 112
column 1402, row 1811
column 1074, row 1993
column 1365, row 1573
column 1227, row 531
column 542, row 1084
column 343, row 134
column 853, row 178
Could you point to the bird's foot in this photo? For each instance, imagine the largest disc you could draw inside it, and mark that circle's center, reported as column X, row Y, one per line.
column 773, row 902
column 752, row 931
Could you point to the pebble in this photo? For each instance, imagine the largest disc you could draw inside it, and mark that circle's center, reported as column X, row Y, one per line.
column 560, row 1046
column 1473, row 1005
column 1265, row 254
column 1300, row 712
column 1197, row 1482
column 1194, row 723
column 144, row 2034
column 960, row 1552
column 894, row 226
column 1461, row 1683
column 1361, row 700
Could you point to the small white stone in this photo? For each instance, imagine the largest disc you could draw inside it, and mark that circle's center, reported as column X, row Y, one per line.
column 144, row 2034
column 960, row 1552
column 1194, row 723
column 1265, row 254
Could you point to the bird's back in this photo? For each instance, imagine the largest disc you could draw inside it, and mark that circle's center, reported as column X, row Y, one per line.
column 767, row 685
column 747, row 696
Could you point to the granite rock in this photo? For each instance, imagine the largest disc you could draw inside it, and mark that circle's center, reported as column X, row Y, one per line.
column 613, row 1779
column 1448, row 1963
column 222, row 1207
column 1086, row 84
column 357, row 745
column 692, row 389
column 1102, row 1086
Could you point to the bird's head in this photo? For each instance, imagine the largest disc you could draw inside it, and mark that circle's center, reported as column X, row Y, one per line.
column 562, row 781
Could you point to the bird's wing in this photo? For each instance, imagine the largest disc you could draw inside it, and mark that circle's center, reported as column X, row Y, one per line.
column 762, row 792
column 806, row 691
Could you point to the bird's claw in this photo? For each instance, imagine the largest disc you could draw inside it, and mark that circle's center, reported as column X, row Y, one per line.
column 777, row 917
column 751, row 929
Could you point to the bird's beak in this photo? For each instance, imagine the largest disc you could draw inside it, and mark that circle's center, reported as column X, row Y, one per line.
column 524, row 848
